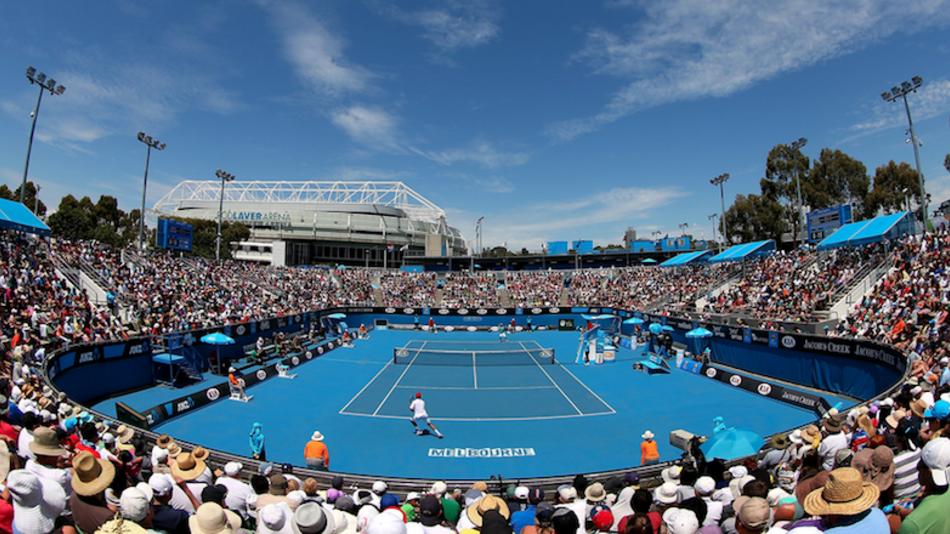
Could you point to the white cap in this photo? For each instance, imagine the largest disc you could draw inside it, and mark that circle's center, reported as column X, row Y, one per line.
column 738, row 471
column 133, row 504
column 233, row 469
column 936, row 456
column 521, row 493
column 705, row 486
column 680, row 521
column 666, row 493
column 438, row 488
column 379, row 487
column 161, row 484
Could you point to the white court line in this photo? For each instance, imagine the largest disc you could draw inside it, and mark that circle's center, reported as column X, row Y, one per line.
column 581, row 382
column 484, row 419
column 404, row 371
column 466, row 388
column 360, row 392
column 555, row 384
column 474, row 371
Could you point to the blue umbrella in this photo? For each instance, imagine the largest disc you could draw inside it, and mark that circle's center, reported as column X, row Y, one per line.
column 667, row 328
column 655, row 328
column 634, row 321
column 217, row 338
column 732, row 443
column 699, row 333
column 337, row 316
column 648, row 260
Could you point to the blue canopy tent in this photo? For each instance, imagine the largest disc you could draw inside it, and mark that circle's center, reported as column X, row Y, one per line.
column 649, row 261
column 666, row 328
column 732, row 443
column 869, row 231
column 686, row 258
column 632, row 323
column 16, row 216
column 744, row 251
column 604, row 320
column 655, row 328
column 700, row 337
column 217, row 339
column 333, row 318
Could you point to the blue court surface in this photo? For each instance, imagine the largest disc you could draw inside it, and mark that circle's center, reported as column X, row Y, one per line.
column 504, row 407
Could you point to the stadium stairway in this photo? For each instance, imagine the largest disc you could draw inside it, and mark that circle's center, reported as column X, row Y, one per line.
column 858, row 288
column 504, row 297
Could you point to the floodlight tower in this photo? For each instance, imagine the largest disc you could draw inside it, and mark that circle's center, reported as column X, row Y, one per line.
column 46, row 85
column 796, row 146
column 150, row 143
column 225, row 177
column 900, row 92
column 720, row 180
column 712, row 217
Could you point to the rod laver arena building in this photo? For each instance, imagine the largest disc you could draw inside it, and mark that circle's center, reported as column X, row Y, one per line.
column 308, row 222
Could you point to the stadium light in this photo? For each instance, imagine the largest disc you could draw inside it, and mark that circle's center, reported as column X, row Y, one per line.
column 901, row 92
column 720, row 180
column 712, row 217
column 46, row 85
column 797, row 145
column 150, row 143
column 225, row 177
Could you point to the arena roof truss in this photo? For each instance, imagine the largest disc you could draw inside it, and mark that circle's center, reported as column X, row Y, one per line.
column 391, row 194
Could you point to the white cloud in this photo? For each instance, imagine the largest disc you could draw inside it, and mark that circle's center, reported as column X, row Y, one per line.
column 454, row 25
column 481, row 153
column 315, row 52
column 687, row 49
column 931, row 100
column 370, row 126
column 494, row 184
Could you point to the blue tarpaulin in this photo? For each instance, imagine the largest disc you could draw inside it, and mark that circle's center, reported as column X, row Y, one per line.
column 699, row 333
column 601, row 317
column 685, row 258
column 732, row 443
column 869, row 231
column 633, row 320
column 744, row 251
column 16, row 216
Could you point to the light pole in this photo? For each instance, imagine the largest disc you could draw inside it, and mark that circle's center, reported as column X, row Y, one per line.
column 901, row 91
column 796, row 146
column 683, row 227
column 225, row 177
column 720, row 180
column 478, row 235
column 150, row 143
column 46, row 84
column 712, row 217
column 36, row 202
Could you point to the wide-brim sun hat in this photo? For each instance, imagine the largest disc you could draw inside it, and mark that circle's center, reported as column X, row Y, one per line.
column 647, row 435
column 595, row 492
column 124, row 434
column 187, row 467
column 91, row 475
column 210, row 518
column 845, row 493
column 46, row 443
column 486, row 503
column 317, row 436
column 200, row 453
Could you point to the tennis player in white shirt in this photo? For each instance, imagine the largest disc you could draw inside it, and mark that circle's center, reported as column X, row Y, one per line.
column 420, row 417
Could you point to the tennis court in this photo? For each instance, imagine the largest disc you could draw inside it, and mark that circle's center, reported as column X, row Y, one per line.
column 476, row 380
column 508, row 409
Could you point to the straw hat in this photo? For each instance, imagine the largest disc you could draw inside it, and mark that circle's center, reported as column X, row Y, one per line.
column 864, row 421
column 173, row 450
column 210, row 518
column 91, row 475
column 124, row 434
column 200, row 453
column 163, row 441
column 187, row 466
column 46, row 443
column 486, row 503
column 4, row 461
column 918, row 407
column 809, row 434
column 780, row 441
column 845, row 493
column 894, row 419
column 595, row 492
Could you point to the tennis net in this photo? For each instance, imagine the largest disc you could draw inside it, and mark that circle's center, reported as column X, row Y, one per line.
column 469, row 358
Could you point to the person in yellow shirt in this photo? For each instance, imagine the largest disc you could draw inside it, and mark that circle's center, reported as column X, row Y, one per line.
column 648, row 449
column 316, row 453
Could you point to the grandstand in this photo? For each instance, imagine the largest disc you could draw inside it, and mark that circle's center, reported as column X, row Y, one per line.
column 341, row 222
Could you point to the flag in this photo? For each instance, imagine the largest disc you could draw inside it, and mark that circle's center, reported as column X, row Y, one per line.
column 404, row 247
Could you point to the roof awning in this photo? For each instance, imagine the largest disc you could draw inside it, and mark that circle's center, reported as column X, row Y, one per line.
column 16, row 216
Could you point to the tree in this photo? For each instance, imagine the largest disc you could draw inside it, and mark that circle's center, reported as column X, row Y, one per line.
column 785, row 167
column 74, row 219
column 946, row 163
column 890, row 182
column 835, row 178
column 29, row 199
column 754, row 217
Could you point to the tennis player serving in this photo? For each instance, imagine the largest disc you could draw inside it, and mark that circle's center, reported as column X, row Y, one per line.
column 420, row 417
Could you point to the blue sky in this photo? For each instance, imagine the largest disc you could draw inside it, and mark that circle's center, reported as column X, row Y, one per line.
column 553, row 119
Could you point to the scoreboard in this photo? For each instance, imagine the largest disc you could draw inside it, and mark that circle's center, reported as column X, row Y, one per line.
column 174, row 235
column 823, row 222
